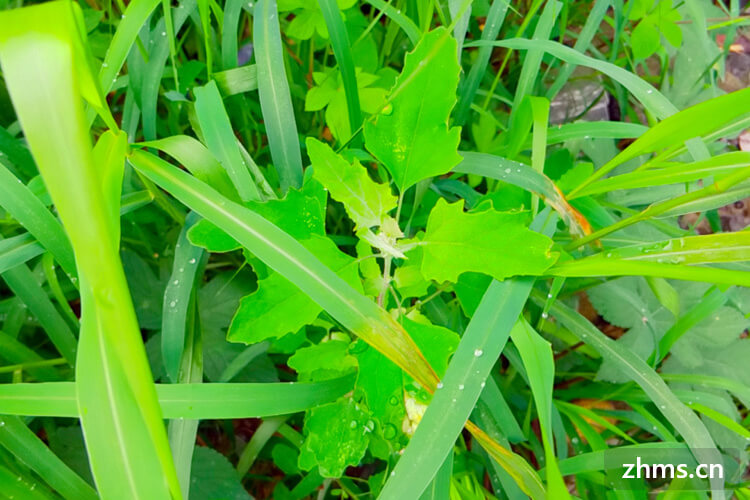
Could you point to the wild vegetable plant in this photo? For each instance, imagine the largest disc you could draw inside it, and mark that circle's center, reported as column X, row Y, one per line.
column 331, row 237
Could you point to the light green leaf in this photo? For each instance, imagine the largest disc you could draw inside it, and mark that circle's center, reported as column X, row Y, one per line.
column 412, row 138
column 322, row 361
column 278, row 307
column 342, row 423
column 366, row 201
column 495, row 243
column 214, row 477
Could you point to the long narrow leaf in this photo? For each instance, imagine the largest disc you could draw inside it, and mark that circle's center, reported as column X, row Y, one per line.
column 190, row 401
column 275, row 99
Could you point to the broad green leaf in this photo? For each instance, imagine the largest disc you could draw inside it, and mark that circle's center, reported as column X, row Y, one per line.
column 498, row 244
column 322, row 361
column 436, row 342
column 301, row 213
column 289, row 258
column 382, row 385
column 214, row 477
column 278, row 307
column 366, row 201
column 411, row 136
column 343, row 423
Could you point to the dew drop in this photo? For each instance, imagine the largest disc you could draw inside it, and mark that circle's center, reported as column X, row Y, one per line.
column 173, row 303
column 507, row 170
column 461, row 387
column 482, row 385
column 440, row 385
column 549, row 295
column 176, row 282
column 545, row 315
column 163, row 33
column 478, row 353
column 353, row 424
column 192, row 261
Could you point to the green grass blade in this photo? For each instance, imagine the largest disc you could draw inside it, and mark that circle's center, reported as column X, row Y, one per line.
column 13, row 351
column 232, row 13
column 738, row 388
column 237, row 80
column 176, row 317
column 18, row 250
column 189, row 401
column 27, row 209
column 44, row 399
column 452, row 403
column 598, row 130
column 468, row 88
column 134, row 17
column 718, row 165
column 24, row 285
column 39, row 66
column 204, row 13
column 275, row 99
column 530, row 69
column 712, row 301
column 263, row 433
column 684, row 421
column 619, row 267
column 696, row 121
column 24, row 444
column 592, row 26
column 536, row 354
column 288, row 257
column 651, row 98
column 198, row 160
column 440, row 486
column 181, row 432
column 460, row 11
column 525, row 177
column 343, row 51
column 721, row 419
column 220, row 139
column 715, row 195
column 14, row 485
column 404, row 22
column 160, row 48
